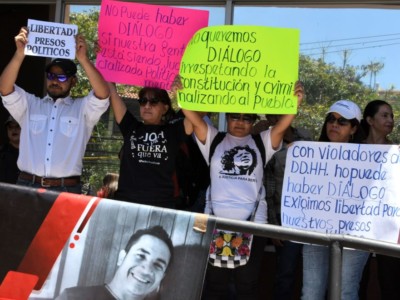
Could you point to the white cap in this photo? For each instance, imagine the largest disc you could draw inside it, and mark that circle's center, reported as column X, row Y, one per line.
column 347, row 109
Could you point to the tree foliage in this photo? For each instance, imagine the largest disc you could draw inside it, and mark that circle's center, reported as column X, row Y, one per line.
column 87, row 25
column 326, row 83
column 104, row 145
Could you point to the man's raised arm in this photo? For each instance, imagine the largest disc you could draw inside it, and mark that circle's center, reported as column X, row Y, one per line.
column 99, row 85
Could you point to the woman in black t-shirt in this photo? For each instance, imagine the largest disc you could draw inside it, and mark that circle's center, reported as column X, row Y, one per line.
column 150, row 148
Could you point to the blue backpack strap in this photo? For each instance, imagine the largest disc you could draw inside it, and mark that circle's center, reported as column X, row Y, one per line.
column 218, row 139
column 260, row 145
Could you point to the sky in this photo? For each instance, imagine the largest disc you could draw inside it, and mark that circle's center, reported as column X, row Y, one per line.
column 367, row 35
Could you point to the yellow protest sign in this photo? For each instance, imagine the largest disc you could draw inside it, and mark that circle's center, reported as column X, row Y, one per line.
column 247, row 69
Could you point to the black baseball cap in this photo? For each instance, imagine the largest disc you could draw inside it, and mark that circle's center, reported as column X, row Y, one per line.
column 9, row 120
column 68, row 66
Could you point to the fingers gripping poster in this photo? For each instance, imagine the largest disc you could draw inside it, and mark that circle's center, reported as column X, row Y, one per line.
column 67, row 246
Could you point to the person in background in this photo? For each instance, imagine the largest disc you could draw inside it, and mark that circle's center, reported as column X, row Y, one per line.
column 201, row 171
column 288, row 253
column 9, row 152
column 150, row 148
column 378, row 123
column 236, row 171
column 110, row 185
column 54, row 129
column 341, row 125
column 193, row 172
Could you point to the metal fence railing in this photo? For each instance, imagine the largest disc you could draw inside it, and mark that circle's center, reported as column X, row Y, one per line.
column 336, row 242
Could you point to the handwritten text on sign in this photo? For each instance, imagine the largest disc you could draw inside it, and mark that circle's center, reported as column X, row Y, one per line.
column 343, row 189
column 249, row 69
column 48, row 39
column 143, row 44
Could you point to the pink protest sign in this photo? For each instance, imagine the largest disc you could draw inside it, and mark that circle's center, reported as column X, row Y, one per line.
column 143, row 44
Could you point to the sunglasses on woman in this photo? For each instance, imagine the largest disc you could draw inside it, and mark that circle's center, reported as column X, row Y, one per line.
column 331, row 119
column 59, row 77
column 249, row 119
column 152, row 102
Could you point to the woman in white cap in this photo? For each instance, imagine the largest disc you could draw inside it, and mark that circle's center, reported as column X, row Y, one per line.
column 342, row 125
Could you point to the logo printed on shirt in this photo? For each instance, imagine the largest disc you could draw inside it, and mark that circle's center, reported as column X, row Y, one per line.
column 240, row 160
column 151, row 147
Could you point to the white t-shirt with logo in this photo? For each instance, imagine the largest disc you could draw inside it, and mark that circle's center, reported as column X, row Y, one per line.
column 236, row 171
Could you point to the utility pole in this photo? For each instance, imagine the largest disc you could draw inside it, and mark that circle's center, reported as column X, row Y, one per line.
column 345, row 58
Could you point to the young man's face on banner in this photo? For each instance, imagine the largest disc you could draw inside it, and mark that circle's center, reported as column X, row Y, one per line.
column 141, row 269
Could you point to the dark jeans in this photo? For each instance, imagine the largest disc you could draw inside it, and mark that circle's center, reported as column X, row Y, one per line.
column 288, row 258
column 239, row 283
column 388, row 276
column 75, row 189
column 200, row 203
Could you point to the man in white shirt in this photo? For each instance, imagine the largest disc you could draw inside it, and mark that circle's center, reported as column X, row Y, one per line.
column 54, row 129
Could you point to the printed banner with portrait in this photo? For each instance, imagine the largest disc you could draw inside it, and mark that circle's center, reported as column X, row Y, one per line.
column 67, row 246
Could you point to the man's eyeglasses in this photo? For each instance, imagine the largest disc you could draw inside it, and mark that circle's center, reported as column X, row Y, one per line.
column 152, row 102
column 341, row 121
column 249, row 119
column 59, row 77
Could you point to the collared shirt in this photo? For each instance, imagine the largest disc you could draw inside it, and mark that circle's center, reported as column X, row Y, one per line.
column 54, row 135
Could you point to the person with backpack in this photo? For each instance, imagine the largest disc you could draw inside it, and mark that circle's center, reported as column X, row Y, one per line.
column 237, row 160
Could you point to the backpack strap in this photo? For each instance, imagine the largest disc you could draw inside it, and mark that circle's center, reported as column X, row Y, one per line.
column 218, row 139
column 260, row 145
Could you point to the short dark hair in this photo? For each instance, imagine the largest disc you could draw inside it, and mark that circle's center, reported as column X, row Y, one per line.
column 155, row 231
column 227, row 158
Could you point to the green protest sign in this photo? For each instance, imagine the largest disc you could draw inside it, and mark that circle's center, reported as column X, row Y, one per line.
column 247, row 69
